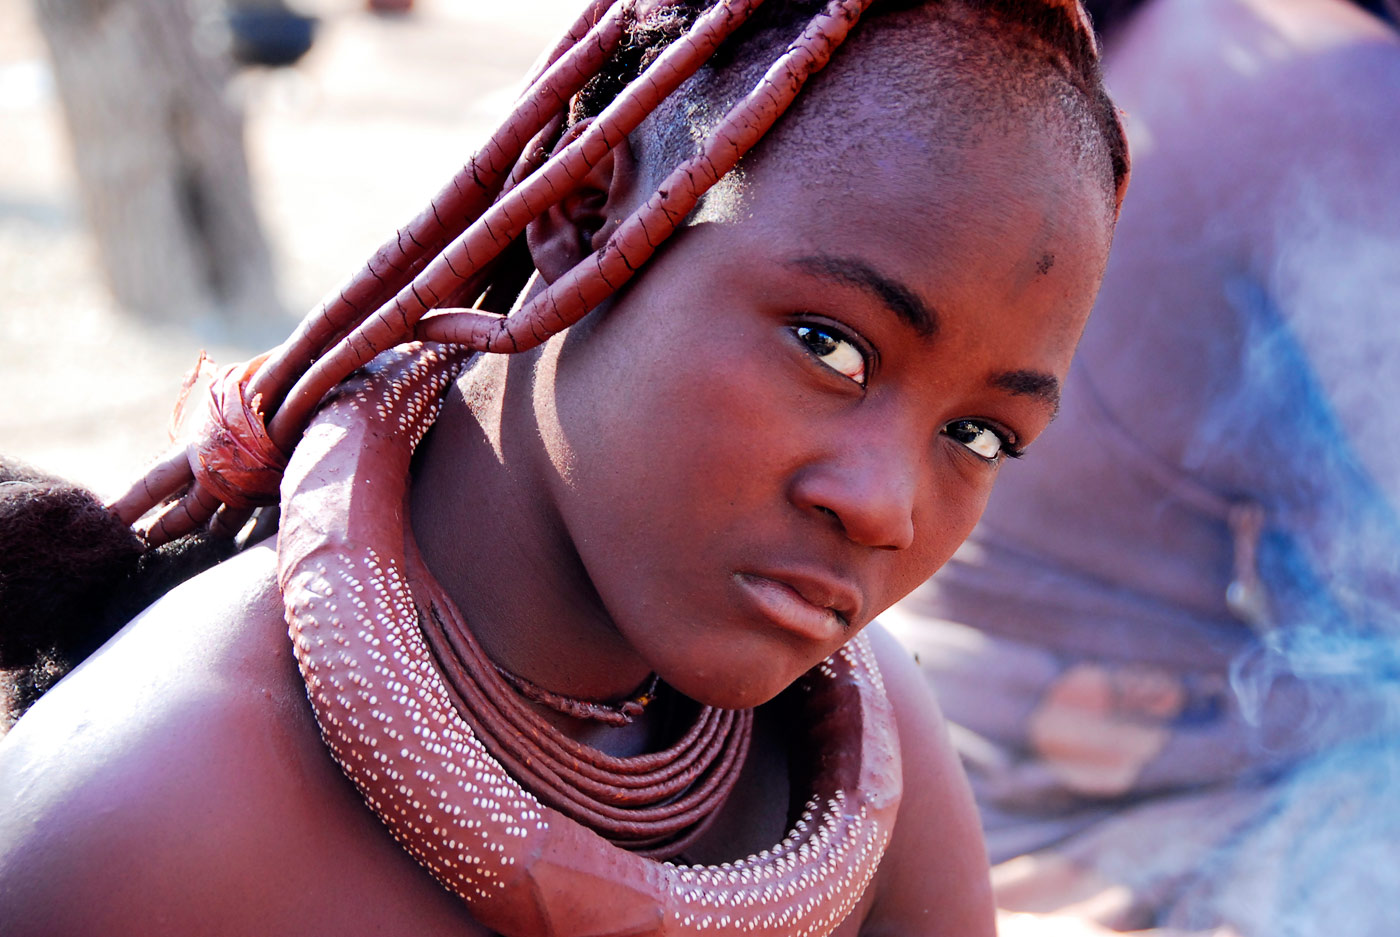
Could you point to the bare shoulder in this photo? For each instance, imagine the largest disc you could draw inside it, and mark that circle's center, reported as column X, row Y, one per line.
column 143, row 707
column 175, row 783
column 934, row 877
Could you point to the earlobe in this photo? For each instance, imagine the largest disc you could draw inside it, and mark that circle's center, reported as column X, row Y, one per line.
column 582, row 221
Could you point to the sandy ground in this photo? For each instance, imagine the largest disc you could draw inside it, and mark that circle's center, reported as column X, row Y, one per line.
column 343, row 148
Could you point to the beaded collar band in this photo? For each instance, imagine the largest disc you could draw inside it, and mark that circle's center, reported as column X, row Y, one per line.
column 386, row 714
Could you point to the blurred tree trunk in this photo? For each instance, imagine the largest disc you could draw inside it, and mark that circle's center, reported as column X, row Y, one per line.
column 160, row 159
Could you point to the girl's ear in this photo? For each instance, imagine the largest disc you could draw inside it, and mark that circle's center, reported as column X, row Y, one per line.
column 582, row 221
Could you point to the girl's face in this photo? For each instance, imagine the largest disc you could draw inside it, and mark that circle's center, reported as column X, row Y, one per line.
column 796, row 415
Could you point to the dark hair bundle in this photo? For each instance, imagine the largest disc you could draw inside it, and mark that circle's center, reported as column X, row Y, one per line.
column 71, row 575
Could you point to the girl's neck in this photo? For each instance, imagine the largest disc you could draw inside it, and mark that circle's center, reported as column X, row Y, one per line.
column 481, row 511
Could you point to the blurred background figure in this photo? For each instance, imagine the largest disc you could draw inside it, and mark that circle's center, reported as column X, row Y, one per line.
column 339, row 149
column 1172, row 648
column 158, row 150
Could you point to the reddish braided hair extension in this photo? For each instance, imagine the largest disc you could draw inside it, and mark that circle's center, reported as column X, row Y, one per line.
column 576, row 58
column 454, row 247
column 466, row 258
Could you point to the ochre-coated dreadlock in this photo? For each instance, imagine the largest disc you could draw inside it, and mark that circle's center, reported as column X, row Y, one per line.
column 614, row 67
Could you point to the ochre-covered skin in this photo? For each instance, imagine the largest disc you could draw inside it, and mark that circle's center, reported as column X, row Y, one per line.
column 454, row 246
column 386, row 714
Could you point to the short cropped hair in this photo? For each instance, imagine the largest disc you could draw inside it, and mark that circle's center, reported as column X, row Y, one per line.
column 984, row 65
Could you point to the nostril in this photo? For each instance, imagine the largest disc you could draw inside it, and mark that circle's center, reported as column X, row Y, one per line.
column 872, row 508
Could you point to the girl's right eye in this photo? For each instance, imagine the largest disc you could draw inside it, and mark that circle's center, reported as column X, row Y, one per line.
column 834, row 350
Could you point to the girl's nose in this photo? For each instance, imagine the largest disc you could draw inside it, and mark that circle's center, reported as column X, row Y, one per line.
column 869, row 491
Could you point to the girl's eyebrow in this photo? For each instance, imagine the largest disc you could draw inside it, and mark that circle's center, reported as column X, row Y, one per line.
column 1025, row 383
column 899, row 298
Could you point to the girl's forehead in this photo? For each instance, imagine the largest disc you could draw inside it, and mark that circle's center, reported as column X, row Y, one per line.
column 970, row 196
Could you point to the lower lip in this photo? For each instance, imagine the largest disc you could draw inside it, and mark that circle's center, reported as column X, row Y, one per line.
column 786, row 608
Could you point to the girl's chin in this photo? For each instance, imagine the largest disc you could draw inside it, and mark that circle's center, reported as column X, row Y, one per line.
column 731, row 691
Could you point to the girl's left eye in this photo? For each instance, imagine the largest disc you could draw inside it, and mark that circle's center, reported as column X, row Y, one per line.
column 982, row 440
column 834, row 350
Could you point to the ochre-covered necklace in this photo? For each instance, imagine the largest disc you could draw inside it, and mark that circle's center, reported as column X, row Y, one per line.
column 355, row 590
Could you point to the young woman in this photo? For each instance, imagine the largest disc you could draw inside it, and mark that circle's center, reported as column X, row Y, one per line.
column 600, row 658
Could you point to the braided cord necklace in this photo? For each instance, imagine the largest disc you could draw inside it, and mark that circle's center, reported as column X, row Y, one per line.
column 609, row 714
column 353, row 586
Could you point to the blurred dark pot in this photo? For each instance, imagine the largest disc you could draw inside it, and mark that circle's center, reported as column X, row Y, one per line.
column 269, row 36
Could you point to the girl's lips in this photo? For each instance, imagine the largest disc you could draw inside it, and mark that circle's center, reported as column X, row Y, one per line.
column 785, row 607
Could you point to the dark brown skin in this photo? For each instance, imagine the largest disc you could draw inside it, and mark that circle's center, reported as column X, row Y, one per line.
column 632, row 468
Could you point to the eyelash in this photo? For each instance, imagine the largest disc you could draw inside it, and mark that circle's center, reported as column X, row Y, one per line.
column 804, row 330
